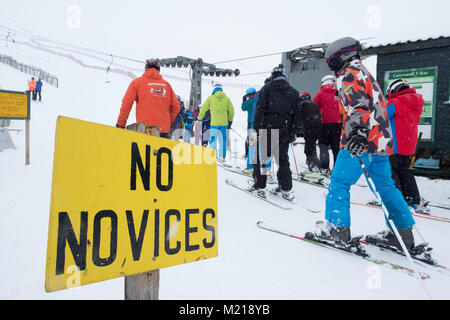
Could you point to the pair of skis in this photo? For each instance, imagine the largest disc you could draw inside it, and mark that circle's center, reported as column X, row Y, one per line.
column 417, row 214
column 241, row 171
column 359, row 254
column 272, row 195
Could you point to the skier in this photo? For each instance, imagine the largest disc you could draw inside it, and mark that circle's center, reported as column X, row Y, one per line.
column 404, row 110
column 188, row 125
column 330, row 136
column 197, row 127
column 156, row 102
column 311, row 121
column 278, row 111
column 248, row 103
column 177, row 124
column 39, row 89
column 222, row 113
column 206, row 125
column 367, row 135
column 32, row 88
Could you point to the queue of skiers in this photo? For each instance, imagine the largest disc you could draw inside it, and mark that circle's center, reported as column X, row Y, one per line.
column 349, row 115
column 376, row 133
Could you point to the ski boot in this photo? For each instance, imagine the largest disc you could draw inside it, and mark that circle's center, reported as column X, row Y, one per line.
column 258, row 191
column 271, row 180
column 422, row 207
column 287, row 195
column 337, row 237
column 387, row 239
column 311, row 176
column 419, row 208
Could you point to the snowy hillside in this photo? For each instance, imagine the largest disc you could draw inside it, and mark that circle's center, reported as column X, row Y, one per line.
column 252, row 263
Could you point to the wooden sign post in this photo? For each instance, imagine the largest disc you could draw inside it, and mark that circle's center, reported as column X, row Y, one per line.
column 143, row 286
column 16, row 105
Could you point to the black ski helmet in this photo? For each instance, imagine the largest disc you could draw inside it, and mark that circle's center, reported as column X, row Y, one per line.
column 397, row 86
column 277, row 71
column 305, row 96
column 341, row 51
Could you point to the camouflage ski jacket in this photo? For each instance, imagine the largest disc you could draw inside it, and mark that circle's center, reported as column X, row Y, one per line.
column 365, row 107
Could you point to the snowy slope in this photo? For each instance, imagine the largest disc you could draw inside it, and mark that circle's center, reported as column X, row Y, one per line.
column 252, row 263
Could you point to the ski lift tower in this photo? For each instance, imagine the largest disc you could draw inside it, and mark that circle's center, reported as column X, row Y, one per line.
column 198, row 68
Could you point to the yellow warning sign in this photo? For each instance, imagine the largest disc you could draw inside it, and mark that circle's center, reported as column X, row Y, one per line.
column 14, row 105
column 124, row 203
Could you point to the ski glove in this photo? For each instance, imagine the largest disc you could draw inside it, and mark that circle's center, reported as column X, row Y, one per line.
column 357, row 141
column 292, row 137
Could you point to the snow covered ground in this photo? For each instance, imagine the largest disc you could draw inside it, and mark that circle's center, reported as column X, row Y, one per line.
column 252, row 263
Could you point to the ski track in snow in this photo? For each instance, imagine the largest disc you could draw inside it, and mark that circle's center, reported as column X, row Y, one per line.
column 252, row 264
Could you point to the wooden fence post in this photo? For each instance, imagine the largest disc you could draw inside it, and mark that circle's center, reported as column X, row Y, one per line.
column 143, row 286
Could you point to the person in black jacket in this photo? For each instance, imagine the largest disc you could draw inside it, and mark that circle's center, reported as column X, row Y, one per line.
column 277, row 113
column 312, row 125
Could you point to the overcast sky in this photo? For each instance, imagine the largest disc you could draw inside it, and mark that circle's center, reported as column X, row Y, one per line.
column 223, row 30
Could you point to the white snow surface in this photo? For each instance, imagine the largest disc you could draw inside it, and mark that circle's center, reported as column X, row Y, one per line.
column 252, row 263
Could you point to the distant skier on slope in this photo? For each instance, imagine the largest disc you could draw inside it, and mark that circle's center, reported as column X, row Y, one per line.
column 367, row 134
column 312, row 125
column 330, row 136
column 278, row 110
column 156, row 102
column 404, row 109
column 32, row 88
column 39, row 89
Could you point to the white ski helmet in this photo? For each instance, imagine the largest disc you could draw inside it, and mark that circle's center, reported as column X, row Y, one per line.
column 397, row 86
column 328, row 80
column 341, row 51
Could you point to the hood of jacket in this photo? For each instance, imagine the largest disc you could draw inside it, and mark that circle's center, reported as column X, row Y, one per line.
column 152, row 73
column 279, row 83
column 409, row 98
column 328, row 88
column 219, row 95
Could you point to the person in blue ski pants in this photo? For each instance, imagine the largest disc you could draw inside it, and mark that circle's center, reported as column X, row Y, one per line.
column 347, row 172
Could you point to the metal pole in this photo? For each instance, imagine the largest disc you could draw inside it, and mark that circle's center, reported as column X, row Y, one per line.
column 27, row 142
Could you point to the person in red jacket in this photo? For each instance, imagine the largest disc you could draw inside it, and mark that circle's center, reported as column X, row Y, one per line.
column 156, row 102
column 330, row 136
column 32, row 88
column 404, row 109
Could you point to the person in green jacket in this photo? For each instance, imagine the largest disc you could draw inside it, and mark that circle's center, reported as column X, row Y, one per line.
column 248, row 105
column 222, row 113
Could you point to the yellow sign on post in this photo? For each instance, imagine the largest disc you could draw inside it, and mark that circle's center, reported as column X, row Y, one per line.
column 124, row 203
column 14, row 105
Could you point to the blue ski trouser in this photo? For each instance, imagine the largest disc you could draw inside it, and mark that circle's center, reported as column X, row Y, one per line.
column 218, row 135
column 347, row 172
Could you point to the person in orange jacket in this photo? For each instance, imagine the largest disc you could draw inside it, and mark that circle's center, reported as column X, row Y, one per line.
column 156, row 102
column 32, row 87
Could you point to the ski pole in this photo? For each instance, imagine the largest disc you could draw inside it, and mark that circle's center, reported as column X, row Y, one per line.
column 237, row 134
column 295, row 160
column 413, row 159
column 394, row 228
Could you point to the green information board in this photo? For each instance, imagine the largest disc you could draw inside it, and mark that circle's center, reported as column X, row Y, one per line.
column 424, row 80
